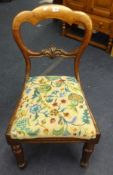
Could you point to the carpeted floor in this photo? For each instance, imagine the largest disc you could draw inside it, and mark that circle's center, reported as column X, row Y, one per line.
column 97, row 76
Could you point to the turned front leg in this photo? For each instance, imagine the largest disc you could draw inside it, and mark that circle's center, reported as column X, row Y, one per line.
column 19, row 154
column 88, row 149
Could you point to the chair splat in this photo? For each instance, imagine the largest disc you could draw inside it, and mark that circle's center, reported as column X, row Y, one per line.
column 53, row 52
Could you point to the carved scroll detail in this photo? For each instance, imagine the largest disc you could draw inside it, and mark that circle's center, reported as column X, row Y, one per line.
column 53, row 52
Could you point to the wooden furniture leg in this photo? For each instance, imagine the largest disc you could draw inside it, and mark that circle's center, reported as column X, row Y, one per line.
column 19, row 154
column 110, row 44
column 87, row 151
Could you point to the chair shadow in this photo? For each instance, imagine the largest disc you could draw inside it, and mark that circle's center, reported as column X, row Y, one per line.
column 54, row 152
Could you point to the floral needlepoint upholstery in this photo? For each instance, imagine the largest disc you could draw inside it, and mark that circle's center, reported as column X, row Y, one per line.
column 52, row 106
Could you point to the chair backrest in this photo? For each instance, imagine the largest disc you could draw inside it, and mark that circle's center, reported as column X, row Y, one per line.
column 48, row 12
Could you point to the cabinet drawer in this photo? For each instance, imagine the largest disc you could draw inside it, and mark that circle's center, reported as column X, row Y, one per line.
column 100, row 24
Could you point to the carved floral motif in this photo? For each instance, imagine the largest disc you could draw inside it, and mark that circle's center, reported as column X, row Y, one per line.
column 53, row 52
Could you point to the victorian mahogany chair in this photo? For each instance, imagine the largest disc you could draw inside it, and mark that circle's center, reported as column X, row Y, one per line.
column 52, row 109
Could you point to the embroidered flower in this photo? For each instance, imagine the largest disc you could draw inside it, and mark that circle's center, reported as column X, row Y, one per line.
column 28, row 90
column 75, row 97
column 55, row 104
column 54, row 112
column 44, row 88
column 45, row 131
column 63, row 101
column 52, row 120
column 61, row 81
column 62, row 94
column 35, row 108
column 43, row 121
column 42, row 81
column 23, row 113
column 66, row 114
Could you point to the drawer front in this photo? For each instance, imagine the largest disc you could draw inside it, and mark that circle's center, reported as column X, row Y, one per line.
column 102, row 25
column 102, row 8
column 75, row 4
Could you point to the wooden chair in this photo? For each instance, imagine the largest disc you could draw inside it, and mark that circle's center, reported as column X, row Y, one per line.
column 52, row 109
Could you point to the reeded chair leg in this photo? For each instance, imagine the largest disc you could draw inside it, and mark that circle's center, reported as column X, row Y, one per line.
column 87, row 151
column 19, row 154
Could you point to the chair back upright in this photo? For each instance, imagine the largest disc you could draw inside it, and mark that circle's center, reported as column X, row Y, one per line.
column 52, row 12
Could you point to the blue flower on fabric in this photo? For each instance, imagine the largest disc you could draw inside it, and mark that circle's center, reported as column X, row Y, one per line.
column 62, row 94
column 71, row 79
column 28, row 90
column 32, row 79
column 22, row 123
column 35, row 108
column 72, row 121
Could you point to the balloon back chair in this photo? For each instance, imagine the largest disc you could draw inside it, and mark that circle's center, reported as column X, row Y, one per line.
column 52, row 109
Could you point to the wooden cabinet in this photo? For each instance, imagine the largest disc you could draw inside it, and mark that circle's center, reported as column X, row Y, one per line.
column 101, row 13
column 79, row 5
column 101, row 7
